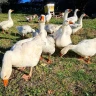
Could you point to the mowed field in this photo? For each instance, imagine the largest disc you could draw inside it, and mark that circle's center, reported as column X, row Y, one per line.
column 65, row 76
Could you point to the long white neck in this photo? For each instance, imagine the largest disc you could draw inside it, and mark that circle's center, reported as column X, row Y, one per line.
column 67, row 48
column 64, row 28
column 41, row 26
column 65, row 16
column 80, row 20
column 75, row 13
column 42, row 30
column 9, row 15
column 49, row 12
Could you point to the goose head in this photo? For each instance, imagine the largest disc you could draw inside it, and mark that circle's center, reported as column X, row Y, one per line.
column 42, row 19
column 77, row 10
column 84, row 15
column 62, row 52
column 10, row 10
column 5, row 74
column 6, row 68
column 9, row 14
column 68, row 10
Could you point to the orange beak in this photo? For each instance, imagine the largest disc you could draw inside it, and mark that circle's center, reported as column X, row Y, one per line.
column 12, row 10
column 86, row 15
column 42, row 18
column 78, row 10
column 69, row 10
column 5, row 82
column 70, row 22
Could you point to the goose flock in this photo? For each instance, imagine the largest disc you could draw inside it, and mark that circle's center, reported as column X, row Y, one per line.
column 28, row 52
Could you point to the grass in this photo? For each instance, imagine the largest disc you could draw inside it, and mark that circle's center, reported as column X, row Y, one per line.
column 66, row 76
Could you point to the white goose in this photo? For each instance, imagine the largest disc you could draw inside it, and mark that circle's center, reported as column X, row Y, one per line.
column 75, row 17
column 42, row 32
column 51, row 28
column 35, row 33
column 63, row 38
column 29, row 18
column 5, row 25
column 48, row 16
column 23, row 30
column 68, row 28
column 25, row 55
column 49, row 46
column 85, row 48
column 77, row 26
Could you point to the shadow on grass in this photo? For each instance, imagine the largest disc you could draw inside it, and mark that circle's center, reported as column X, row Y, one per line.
column 23, row 21
column 70, row 54
column 2, row 52
column 1, row 57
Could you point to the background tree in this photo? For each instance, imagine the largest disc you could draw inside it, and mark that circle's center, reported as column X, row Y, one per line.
column 14, row 1
column 3, row 1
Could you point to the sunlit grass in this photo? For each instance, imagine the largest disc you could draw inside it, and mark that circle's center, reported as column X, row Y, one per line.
column 66, row 76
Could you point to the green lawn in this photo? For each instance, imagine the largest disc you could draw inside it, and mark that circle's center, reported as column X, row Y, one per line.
column 66, row 76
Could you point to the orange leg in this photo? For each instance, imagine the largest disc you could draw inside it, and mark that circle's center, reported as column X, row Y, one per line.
column 27, row 77
column 49, row 61
column 3, row 31
column 81, row 58
column 88, row 60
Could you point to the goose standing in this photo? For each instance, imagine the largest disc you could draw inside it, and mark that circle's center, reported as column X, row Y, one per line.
column 77, row 26
column 75, row 17
column 68, row 28
column 48, row 16
column 51, row 28
column 63, row 38
column 5, row 25
column 31, row 17
column 23, row 30
column 25, row 55
column 85, row 48
column 49, row 46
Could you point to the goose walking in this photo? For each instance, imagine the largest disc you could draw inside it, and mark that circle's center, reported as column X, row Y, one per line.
column 23, row 30
column 68, row 28
column 48, row 16
column 5, row 25
column 25, row 55
column 63, row 39
column 85, row 48
column 49, row 47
